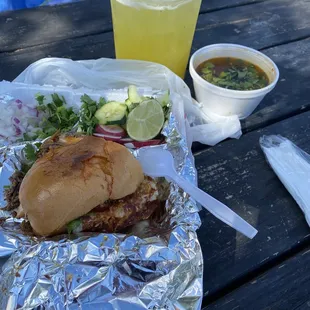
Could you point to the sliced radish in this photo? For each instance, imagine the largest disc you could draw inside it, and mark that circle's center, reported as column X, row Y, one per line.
column 128, row 142
column 108, row 137
column 113, row 138
column 111, row 130
column 124, row 141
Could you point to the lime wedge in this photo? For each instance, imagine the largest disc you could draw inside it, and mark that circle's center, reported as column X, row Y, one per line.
column 145, row 121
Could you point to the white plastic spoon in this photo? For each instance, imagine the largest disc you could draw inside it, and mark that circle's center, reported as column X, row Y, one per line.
column 157, row 162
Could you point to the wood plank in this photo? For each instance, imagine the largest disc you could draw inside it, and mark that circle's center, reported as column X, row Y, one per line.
column 91, row 47
column 291, row 95
column 214, row 5
column 46, row 24
column 259, row 25
column 284, row 287
column 237, row 173
column 304, row 306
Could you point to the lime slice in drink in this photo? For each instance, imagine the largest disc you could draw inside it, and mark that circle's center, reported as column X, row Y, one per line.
column 145, row 121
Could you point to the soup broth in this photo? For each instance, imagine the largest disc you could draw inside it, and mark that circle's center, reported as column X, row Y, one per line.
column 233, row 73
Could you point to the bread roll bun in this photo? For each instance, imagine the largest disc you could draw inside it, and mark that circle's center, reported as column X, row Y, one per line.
column 70, row 180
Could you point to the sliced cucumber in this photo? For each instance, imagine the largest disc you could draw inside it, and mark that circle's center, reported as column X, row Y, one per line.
column 131, row 105
column 128, row 103
column 118, row 122
column 133, row 95
column 112, row 113
column 164, row 99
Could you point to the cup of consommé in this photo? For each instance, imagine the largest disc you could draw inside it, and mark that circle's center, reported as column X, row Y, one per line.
column 231, row 79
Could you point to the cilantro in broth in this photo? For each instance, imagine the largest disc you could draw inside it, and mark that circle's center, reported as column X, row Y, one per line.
column 233, row 73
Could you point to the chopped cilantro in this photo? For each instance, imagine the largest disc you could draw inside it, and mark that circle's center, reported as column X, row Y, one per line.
column 27, row 137
column 88, row 121
column 102, row 102
column 40, row 99
column 25, row 168
column 57, row 116
column 30, row 152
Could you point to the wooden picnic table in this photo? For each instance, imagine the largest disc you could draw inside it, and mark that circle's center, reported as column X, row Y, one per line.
column 272, row 271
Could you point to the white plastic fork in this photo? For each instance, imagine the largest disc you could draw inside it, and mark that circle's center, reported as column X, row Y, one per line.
column 157, row 162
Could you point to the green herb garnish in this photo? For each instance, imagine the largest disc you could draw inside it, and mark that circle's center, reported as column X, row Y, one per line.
column 74, row 226
column 232, row 73
column 58, row 117
column 87, row 120
column 30, row 152
column 27, row 137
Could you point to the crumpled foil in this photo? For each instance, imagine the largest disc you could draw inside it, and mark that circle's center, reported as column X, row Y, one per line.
column 146, row 269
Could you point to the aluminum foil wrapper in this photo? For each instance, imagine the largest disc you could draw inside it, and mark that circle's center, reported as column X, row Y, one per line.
column 149, row 268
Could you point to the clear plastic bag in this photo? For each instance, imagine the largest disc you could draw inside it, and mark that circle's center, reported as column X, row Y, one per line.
column 105, row 73
column 292, row 166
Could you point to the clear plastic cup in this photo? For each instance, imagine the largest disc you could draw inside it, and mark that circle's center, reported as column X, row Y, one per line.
column 160, row 31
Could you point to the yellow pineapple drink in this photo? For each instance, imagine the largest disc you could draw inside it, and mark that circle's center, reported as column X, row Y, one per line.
column 155, row 30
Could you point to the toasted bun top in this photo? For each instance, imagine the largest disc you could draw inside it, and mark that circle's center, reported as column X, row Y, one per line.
column 72, row 179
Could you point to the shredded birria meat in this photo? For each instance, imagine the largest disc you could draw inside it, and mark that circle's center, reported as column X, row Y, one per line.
column 11, row 193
